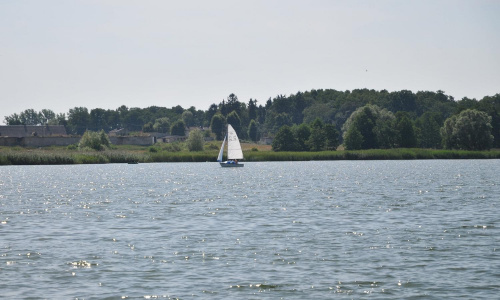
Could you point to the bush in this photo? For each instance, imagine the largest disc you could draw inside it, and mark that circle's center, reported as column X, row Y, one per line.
column 95, row 140
column 195, row 141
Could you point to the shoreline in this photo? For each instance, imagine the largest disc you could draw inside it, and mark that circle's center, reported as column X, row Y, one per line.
column 64, row 156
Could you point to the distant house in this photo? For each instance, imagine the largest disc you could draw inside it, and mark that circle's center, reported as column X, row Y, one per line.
column 20, row 131
column 172, row 138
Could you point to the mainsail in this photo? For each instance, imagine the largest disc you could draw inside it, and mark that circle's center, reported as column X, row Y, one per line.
column 233, row 144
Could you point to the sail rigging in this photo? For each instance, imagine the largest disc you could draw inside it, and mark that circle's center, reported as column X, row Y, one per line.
column 234, row 152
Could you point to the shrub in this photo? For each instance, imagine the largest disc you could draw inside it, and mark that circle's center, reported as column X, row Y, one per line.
column 95, row 140
column 195, row 140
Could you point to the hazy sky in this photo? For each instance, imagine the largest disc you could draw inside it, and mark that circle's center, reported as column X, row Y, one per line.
column 58, row 54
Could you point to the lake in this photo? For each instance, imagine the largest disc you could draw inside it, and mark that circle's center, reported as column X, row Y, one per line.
column 420, row 229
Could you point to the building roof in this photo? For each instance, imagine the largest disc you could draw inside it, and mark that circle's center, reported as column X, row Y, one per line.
column 30, row 130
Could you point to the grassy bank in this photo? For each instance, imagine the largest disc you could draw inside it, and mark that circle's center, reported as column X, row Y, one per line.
column 129, row 154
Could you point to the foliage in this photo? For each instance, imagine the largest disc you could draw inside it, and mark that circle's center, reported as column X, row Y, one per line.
column 32, row 117
column 178, row 128
column 302, row 133
column 353, row 140
column 332, row 136
column 372, row 123
column 217, row 126
column 406, row 137
column 470, row 130
column 234, row 119
column 253, row 132
column 428, row 133
column 188, row 118
column 195, row 140
column 284, row 140
column 317, row 138
column 94, row 140
column 426, row 110
column 162, row 125
column 148, row 127
column 79, row 119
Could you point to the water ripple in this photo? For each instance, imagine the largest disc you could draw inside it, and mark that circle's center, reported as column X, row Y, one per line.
column 360, row 229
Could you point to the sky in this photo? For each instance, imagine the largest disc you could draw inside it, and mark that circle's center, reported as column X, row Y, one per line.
column 61, row 54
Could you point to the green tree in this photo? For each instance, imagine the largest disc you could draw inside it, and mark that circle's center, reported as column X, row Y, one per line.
column 365, row 123
column 491, row 106
column 372, row 123
column 402, row 101
column 332, row 136
column 253, row 131
column 387, row 135
column 321, row 110
column 162, row 125
column 148, row 127
column 302, row 133
column 210, row 113
column 104, row 139
column 282, row 119
column 234, row 119
column 449, row 138
column 195, row 140
column 353, row 140
column 97, row 120
column 94, row 140
column 406, row 131
column 470, row 130
column 284, row 140
column 178, row 128
column 188, row 118
column 317, row 139
column 59, row 119
column 46, row 116
column 252, row 109
column 232, row 104
column 133, row 119
column 429, row 125
column 30, row 117
column 78, row 119
column 217, row 126
column 13, row 119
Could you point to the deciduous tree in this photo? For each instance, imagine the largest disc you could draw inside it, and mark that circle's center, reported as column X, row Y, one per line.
column 195, row 140
column 470, row 130
column 284, row 140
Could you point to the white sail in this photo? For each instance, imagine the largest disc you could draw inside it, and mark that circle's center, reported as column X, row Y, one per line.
column 219, row 158
column 233, row 144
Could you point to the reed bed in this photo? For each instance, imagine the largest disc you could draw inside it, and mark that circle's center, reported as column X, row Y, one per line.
column 58, row 156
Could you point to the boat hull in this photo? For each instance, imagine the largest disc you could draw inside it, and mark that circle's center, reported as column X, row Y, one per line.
column 226, row 164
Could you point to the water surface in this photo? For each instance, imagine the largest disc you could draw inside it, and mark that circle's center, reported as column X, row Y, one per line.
column 292, row 230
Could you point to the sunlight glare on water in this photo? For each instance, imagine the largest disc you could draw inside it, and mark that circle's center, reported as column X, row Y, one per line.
column 343, row 229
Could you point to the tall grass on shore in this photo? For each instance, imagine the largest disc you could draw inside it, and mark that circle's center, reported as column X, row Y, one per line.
column 164, row 156
column 373, row 154
column 55, row 156
column 35, row 158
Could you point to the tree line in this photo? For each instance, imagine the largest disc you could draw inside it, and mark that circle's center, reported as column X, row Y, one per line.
column 312, row 120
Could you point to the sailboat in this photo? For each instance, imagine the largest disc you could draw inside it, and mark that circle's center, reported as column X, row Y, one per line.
column 234, row 152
